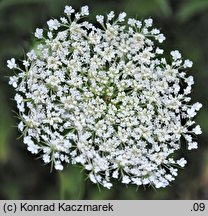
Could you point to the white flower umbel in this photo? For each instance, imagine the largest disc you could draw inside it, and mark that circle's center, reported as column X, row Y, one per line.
column 39, row 33
column 106, row 98
column 11, row 64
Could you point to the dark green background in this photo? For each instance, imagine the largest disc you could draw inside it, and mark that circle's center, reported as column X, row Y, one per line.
column 22, row 176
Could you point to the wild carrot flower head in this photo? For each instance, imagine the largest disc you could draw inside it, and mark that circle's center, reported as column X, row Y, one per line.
column 105, row 97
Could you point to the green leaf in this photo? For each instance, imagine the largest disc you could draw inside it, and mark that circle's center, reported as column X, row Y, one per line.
column 165, row 7
column 8, row 3
column 202, row 119
column 191, row 8
column 145, row 8
column 10, row 189
column 71, row 183
column 5, row 129
column 52, row 5
column 101, row 194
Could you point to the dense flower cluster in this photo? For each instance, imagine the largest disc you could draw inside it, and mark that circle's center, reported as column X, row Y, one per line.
column 106, row 98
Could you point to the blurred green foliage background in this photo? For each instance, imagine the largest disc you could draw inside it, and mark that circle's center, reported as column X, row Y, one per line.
column 185, row 24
